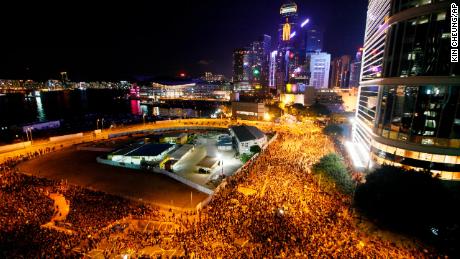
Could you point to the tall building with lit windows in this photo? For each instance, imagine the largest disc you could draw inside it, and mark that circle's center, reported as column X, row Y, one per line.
column 408, row 110
column 320, row 62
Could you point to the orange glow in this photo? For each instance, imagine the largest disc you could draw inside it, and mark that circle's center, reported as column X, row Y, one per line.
column 286, row 31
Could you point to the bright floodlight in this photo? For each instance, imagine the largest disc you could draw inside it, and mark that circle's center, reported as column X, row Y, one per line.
column 267, row 116
column 292, row 35
column 304, row 23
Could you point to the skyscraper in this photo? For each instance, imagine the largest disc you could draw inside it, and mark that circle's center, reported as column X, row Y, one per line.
column 251, row 66
column 320, row 63
column 260, row 62
column 355, row 69
column 314, row 40
column 340, row 72
column 272, row 70
column 242, row 68
column 408, row 111
column 290, row 57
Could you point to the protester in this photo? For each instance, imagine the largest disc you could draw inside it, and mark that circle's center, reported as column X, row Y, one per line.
column 288, row 214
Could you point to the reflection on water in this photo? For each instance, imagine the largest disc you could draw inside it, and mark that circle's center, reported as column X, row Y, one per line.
column 156, row 111
column 136, row 107
column 76, row 106
column 40, row 111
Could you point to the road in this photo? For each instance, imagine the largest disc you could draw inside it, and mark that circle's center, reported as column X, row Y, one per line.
column 38, row 145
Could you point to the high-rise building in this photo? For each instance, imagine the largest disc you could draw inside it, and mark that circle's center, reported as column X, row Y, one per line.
column 320, row 62
column 314, row 40
column 290, row 74
column 210, row 77
column 340, row 72
column 260, row 62
column 272, row 70
column 251, row 65
column 408, row 110
column 355, row 69
column 289, row 15
column 242, row 68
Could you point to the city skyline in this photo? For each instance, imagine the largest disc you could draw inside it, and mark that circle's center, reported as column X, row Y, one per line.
column 137, row 41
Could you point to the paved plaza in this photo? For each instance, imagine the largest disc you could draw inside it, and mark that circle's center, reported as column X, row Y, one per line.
column 81, row 168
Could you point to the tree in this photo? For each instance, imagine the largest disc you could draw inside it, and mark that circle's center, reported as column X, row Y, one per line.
column 334, row 171
column 333, row 130
column 407, row 200
column 245, row 157
column 255, row 149
column 318, row 109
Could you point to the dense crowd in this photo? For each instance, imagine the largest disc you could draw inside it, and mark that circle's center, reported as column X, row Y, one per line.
column 25, row 206
column 288, row 214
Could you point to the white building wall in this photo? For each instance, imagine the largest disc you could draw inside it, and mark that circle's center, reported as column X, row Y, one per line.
column 320, row 64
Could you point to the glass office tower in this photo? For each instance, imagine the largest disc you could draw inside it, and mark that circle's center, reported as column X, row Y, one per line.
column 408, row 110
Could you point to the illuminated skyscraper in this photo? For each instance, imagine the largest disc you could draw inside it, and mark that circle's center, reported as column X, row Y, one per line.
column 314, row 40
column 260, row 63
column 340, row 72
column 408, row 110
column 320, row 63
column 288, row 12
column 355, row 69
column 251, row 66
column 242, row 69
column 272, row 70
column 287, row 57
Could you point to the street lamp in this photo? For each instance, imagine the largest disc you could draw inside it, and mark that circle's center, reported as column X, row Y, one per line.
column 143, row 117
column 97, row 124
column 102, row 124
column 221, row 160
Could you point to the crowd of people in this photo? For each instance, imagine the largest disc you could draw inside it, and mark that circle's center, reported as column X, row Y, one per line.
column 290, row 214
column 26, row 206
column 287, row 214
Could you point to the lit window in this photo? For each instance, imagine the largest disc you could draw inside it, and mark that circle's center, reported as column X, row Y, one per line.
column 438, row 158
column 425, row 156
column 427, row 141
column 400, row 152
column 451, row 159
column 441, row 17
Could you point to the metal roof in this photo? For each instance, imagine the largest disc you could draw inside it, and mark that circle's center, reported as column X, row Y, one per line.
column 245, row 133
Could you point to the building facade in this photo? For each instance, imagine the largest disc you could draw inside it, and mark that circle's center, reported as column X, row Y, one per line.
column 355, row 69
column 320, row 62
column 248, row 110
column 314, row 40
column 246, row 137
column 340, row 72
column 408, row 110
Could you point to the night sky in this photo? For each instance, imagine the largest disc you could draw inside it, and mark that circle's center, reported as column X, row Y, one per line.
column 137, row 39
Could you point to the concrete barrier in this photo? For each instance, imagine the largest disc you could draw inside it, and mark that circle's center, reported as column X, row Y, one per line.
column 184, row 181
column 11, row 147
column 96, row 149
column 66, row 137
column 119, row 164
column 159, row 130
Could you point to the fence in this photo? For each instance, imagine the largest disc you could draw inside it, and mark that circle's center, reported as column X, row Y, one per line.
column 16, row 146
column 66, row 137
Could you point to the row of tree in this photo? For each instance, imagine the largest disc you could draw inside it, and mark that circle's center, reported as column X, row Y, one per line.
column 412, row 202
